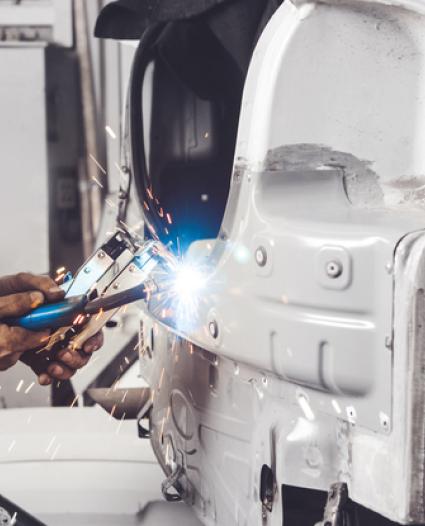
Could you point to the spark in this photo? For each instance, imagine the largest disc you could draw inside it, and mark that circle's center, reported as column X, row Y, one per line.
column 336, row 406
column 161, row 212
column 52, row 441
column 149, row 192
column 28, row 389
column 13, row 519
column 55, row 452
column 110, row 132
column 99, row 314
column 60, row 270
column 120, row 423
column 124, row 224
column 111, row 414
column 161, row 378
column 118, row 167
column 19, row 386
column 151, row 228
column 110, row 203
column 96, row 162
column 60, row 277
column 145, row 204
column 305, row 406
column 169, row 218
column 79, row 319
column 76, row 397
column 97, row 181
column 206, row 135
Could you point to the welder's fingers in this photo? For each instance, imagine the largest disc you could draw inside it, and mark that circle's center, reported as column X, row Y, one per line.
column 44, row 379
column 39, row 363
column 24, row 281
column 16, row 339
column 72, row 358
column 21, row 303
column 37, row 360
column 59, row 371
column 94, row 343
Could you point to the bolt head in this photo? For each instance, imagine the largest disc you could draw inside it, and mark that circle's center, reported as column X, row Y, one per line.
column 213, row 328
column 334, row 269
column 261, row 256
column 384, row 420
column 101, row 254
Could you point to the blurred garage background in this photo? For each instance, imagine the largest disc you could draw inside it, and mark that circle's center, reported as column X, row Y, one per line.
column 62, row 95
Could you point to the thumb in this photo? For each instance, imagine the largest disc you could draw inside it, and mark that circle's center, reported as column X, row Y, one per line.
column 21, row 303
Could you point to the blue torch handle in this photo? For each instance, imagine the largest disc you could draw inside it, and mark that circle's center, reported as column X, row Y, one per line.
column 50, row 315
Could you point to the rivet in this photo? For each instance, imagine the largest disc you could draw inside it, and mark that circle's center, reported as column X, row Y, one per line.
column 334, row 268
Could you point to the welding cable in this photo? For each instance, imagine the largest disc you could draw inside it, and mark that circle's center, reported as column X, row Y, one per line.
column 114, row 301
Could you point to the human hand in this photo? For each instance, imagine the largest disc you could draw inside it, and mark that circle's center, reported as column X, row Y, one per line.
column 19, row 294
column 65, row 363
